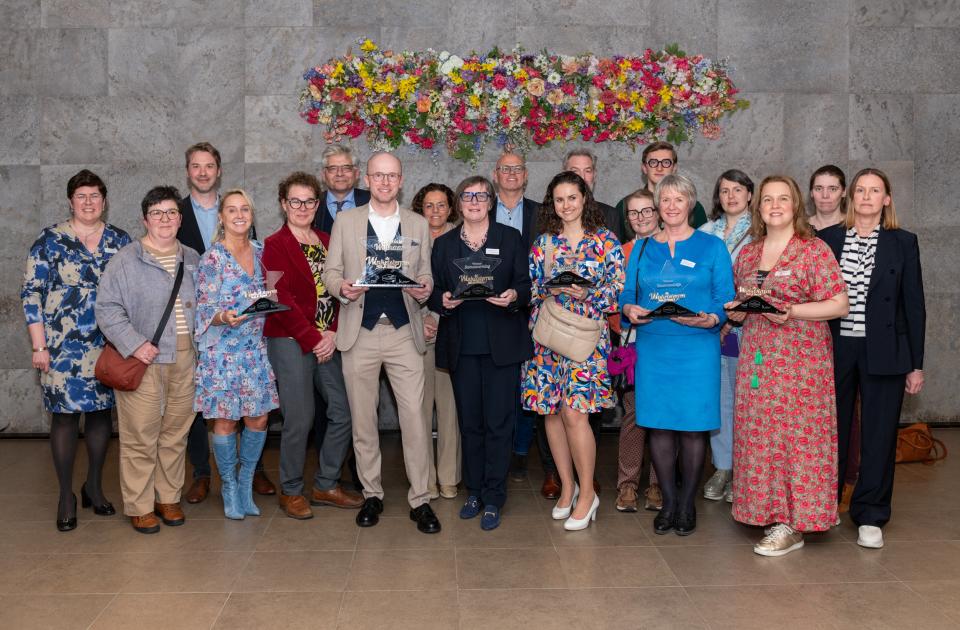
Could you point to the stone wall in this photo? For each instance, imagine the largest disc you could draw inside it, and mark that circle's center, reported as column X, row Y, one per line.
column 122, row 87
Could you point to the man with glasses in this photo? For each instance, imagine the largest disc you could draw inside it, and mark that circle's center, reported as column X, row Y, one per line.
column 339, row 168
column 197, row 230
column 513, row 209
column 659, row 159
column 383, row 327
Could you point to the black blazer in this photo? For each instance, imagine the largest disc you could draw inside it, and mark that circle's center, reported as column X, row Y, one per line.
column 189, row 232
column 612, row 219
column 531, row 219
column 507, row 328
column 323, row 221
column 896, row 313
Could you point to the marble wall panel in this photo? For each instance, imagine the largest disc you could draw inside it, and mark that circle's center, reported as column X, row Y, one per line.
column 21, row 408
column 278, row 12
column 18, row 64
column 876, row 60
column 357, row 14
column 940, row 397
column 176, row 13
column 75, row 13
column 20, row 13
column 937, row 13
column 424, row 13
column 482, row 26
column 937, row 130
column 20, row 216
column 937, row 247
column 757, row 132
column 274, row 131
column 881, row 127
column 936, row 62
column 690, row 23
column 260, row 181
column 552, row 13
column 143, row 61
column 19, row 130
column 881, row 12
column 814, row 130
column 73, row 62
column 573, row 39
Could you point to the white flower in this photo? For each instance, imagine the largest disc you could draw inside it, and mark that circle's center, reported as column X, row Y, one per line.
column 451, row 63
column 553, row 78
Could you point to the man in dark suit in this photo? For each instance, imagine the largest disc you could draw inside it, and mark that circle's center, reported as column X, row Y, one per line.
column 198, row 228
column 584, row 163
column 339, row 168
column 659, row 159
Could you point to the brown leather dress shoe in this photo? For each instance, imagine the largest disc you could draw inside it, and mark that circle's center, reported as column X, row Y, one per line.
column 551, row 486
column 146, row 524
column 199, row 490
column 170, row 513
column 295, row 506
column 263, row 485
column 338, row 496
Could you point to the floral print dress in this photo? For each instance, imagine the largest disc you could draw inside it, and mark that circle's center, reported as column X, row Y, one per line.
column 234, row 376
column 785, row 423
column 551, row 379
column 59, row 291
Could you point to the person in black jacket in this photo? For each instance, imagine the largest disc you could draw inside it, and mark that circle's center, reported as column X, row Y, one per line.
column 878, row 347
column 482, row 342
column 340, row 168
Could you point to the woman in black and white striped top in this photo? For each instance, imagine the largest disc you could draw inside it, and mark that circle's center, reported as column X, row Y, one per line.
column 878, row 347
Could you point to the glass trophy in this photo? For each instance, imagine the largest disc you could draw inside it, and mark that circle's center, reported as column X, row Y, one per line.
column 752, row 298
column 476, row 276
column 265, row 302
column 670, row 289
column 384, row 265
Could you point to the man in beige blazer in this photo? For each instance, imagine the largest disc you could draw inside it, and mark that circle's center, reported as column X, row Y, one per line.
column 383, row 327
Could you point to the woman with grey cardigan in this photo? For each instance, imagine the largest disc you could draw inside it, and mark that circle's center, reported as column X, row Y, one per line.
column 154, row 419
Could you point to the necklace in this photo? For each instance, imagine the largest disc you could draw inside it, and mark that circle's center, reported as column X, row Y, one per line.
column 307, row 237
column 83, row 237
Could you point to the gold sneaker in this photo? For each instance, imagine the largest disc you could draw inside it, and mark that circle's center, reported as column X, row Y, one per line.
column 779, row 541
column 627, row 499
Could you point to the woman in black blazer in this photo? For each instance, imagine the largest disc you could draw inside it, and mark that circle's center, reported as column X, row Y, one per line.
column 878, row 347
column 482, row 342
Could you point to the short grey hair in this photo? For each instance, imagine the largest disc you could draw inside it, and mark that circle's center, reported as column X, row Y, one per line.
column 680, row 183
column 338, row 149
column 580, row 153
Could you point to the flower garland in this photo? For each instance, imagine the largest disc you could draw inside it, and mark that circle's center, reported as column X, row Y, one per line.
column 426, row 99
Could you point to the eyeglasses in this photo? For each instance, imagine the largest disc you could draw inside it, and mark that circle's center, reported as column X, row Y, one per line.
column 379, row 177
column 339, row 169
column 296, row 204
column 467, row 197
column 92, row 198
column 506, row 170
column 642, row 212
column 655, row 163
column 157, row 214
column 830, row 189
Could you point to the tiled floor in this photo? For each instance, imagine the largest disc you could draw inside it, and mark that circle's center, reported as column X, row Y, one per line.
column 274, row 572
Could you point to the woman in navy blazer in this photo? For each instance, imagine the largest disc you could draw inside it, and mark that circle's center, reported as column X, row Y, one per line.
column 878, row 347
column 482, row 343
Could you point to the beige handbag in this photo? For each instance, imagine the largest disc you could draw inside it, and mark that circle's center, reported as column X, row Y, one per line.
column 574, row 336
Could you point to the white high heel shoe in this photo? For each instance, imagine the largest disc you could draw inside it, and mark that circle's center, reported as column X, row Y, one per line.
column 560, row 513
column 573, row 524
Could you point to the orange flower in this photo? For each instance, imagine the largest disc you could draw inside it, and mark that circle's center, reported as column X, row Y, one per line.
column 423, row 104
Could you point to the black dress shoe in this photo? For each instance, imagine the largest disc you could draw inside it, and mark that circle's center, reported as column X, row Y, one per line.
column 100, row 510
column 685, row 523
column 369, row 514
column 68, row 522
column 663, row 522
column 427, row 521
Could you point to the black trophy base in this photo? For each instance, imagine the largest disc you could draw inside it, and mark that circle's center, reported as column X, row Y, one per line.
column 387, row 279
column 756, row 304
column 567, row 279
column 264, row 306
column 474, row 292
column 668, row 310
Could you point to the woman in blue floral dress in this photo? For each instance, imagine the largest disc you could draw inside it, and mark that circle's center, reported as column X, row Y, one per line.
column 234, row 377
column 58, row 294
column 565, row 391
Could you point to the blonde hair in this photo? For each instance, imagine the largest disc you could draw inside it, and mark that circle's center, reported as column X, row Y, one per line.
column 801, row 227
column 219, row 235
column 888, row 215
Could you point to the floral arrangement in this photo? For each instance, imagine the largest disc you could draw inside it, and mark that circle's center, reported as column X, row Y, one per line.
column 428, row 99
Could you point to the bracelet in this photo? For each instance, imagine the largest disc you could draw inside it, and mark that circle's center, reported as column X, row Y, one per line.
column 40, row 349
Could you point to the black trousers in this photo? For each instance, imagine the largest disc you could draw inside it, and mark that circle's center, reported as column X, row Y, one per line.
column 881, row 398
column 486, row 397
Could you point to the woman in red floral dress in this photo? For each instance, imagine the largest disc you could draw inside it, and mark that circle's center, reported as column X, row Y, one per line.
column 785, row 424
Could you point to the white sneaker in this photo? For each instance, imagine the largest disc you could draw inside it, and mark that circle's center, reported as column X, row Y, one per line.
column 870, row 536
column 716, row 486
column 780, row 540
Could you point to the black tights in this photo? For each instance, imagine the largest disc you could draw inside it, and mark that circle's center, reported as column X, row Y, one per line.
column 665, row 448
column 64, row 432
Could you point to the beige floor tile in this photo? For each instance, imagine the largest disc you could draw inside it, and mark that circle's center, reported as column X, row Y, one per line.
column 933, row 524
column 664, row 608
column 758, row 608
column 31, row 507
column 882, row 605
column 60, row 612
column 113, row 536
column 941, row 594
column 514, row 531
column 521, row 503
column 197, row 572
column 920, row 560
column 222, row 535
column 833, row 562
column 184, row 611
column 397, row 610
column 399, row 532
column 525, row 608
column 722, row 565
column 290, row 611
column 295, row 571
column 316, row 534
column 34, row 537
column 592, row 567
column 83, row 573
column 611, row 529
column 403, row 569
column 17, row 568
column 530, row 567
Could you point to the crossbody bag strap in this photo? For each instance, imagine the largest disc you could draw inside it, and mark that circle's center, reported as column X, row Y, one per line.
column 643, row 246
column 170, row 303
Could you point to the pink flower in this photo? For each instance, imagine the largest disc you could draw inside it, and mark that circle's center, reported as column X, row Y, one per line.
column 536, row 87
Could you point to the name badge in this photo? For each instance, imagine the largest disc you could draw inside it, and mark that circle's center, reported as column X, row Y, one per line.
column 688, row 263
column 493, row 251
column 783, row 273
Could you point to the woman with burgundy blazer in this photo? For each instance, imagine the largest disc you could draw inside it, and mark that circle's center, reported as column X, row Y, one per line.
column 301, row 343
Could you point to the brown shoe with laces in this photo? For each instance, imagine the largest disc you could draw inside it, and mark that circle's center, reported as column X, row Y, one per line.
column 262, row 484
column 146, row 524
column 198, row 491
column 338, row 496
column 170, row 513
column 295, row 506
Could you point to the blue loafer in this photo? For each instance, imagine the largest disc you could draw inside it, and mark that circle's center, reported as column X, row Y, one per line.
column 471, row 507
column 491, row 517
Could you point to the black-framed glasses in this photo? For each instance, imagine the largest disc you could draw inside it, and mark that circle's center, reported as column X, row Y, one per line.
column 347, row 168
column 157, row 214
column 467, row 197
column 654, row 163
column 379, row 177
column 296, row 204
column 642, row 212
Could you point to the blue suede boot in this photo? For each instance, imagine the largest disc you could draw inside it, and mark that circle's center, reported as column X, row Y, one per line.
column 225, row 451
column 251, row 445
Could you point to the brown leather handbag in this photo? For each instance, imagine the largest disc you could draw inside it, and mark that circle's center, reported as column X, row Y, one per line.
column 125, row 374
column 916, row 443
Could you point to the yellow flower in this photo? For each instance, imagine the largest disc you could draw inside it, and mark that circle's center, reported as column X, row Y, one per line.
column 368, row 46
column 455, row 78
column 665, row 95
column 474, row 100
column 589, row 115
column 490, row 66
column 352, row 92
column 338, row 71
column 635, row 125
column 407, row 86
column 385, row 87
column 520, row 74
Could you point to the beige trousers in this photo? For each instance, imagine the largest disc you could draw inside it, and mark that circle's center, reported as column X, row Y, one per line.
column 438, row 389
column 393, row 349
column 153, row 423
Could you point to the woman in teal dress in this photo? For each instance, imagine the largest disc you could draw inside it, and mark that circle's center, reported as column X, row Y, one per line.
column 678, row 359
column 58, row 294
column 234, row 378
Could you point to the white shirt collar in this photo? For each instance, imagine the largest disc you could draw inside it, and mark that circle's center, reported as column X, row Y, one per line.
column 374, row 214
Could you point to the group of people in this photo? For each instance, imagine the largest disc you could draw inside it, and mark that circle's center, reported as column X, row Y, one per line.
column 500, row 317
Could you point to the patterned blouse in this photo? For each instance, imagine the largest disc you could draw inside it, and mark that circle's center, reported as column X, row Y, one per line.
column 856, row 263
column 316, row 257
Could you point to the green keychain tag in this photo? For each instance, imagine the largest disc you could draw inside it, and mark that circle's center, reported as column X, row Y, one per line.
column 758, row 358
column 755, row 381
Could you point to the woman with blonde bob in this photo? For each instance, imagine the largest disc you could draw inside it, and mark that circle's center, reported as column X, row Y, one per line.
column 878, row 346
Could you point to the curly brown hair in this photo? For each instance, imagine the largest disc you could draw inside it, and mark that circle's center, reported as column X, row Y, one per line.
column 549, row 220
column 298, row 178
column 417, row 204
